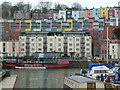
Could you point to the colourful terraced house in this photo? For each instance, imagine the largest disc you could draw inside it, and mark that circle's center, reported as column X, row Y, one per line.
column 104, row 12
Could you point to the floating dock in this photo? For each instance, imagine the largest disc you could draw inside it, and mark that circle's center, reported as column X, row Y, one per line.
column 7, row 81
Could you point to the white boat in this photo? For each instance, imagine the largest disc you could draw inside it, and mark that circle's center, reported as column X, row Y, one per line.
column 97, row 71
column 113, row 70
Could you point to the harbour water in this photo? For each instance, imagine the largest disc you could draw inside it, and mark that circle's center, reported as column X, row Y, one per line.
column 35, row 78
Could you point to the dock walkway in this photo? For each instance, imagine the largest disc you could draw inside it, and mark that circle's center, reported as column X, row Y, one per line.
column 8, row 82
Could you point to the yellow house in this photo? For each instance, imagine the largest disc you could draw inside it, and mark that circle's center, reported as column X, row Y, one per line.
column 104, row 12
column 28, row 24
column 70, row 23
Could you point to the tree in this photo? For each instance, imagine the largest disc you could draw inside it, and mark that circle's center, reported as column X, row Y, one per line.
column 6, row 13
column 43, row 4
column 63, row 6
column 76, row 5
column 57, row 6
column 117, row 33
column 60, row 6
column 23, row 7
column 13, row 9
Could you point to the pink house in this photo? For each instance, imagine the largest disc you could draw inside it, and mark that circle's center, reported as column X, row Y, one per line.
column 89, row 13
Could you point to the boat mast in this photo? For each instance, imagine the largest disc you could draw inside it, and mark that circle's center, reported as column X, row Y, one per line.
column 107, row 46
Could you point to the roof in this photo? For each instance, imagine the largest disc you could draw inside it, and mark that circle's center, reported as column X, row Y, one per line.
column 94, row 65
column 100, row 68
column 81, row 79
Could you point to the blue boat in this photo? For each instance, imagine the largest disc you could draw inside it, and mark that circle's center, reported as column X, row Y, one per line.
column 94, row 65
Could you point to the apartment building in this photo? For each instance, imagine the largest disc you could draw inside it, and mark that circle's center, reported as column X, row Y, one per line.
column 112, row 21
column 22, row 15
column 9, row 48
column 114, row 48
column 73, row 44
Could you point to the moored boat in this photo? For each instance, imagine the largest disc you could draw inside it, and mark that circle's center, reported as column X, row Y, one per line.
column 30, row 64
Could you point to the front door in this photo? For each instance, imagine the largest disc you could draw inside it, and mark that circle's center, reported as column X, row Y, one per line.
column 91, row 86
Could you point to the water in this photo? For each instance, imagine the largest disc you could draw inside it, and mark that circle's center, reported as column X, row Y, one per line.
column 49, row 78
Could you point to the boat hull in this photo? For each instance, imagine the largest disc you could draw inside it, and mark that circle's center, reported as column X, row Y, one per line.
column 55, row 66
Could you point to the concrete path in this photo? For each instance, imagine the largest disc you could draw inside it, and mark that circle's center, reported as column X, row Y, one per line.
column 8, row 82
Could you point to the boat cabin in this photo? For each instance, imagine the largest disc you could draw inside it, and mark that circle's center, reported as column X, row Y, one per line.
column 75, row 81
column 98, row 71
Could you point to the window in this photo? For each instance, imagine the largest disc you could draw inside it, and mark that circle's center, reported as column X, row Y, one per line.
column 87, row 39
column 51, row 49
column 40, row 40
column 59, row 44
column 77, row 44
column 13, row 49
column 3, row 44
column 22, row 49
column 23, row 44
column 59, row 49
column 113, row 51
column 39, row 49
column 59, row 39
column 51, row 39
column 32, row 44
column 32, row 49
column 22, row 39
column 113, row 47
column 77, row 49
column 70, row 44
column 110, row 13
column 32, row 39
column 51, row 44
column 91, row 86
column 87, row 49
column 70, row 39
column 40, row 44
column 87, row 44
column 68, row 12
column 70, row 49
column 3, row 49
column 6, row 31
column 61, row 12
column 77, row 39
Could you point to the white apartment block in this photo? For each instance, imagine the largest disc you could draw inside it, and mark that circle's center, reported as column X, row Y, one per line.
column 113, row 21
column 114, row 50
column 70, row 44
column 9, row 48
column 76, row 14
column 62, row 14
